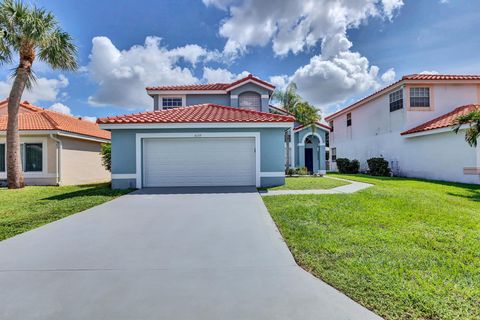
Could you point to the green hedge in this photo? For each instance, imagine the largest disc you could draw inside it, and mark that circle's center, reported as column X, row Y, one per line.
column 345, row 165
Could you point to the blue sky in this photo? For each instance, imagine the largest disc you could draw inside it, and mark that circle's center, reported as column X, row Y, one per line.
column 335, row 50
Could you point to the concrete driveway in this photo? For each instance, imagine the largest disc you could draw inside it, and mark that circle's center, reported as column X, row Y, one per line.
column 164, row 255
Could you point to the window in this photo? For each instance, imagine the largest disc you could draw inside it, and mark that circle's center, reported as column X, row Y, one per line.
column 250, row 100
column 169, row 103
column 419, row 97
column 396, row 100
column 331, row 125
column 349, row 119
column 334, row 154
column 308, row 140
column 2, row 157
column 32, row 157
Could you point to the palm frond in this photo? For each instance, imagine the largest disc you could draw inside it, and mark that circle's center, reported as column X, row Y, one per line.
column 59, row 51
column 472, row 133
column 29, row 81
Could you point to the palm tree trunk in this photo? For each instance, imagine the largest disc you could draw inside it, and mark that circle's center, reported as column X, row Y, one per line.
column 14, row 168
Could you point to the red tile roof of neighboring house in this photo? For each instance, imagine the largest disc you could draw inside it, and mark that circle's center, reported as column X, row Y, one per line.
column 405, row 79
column 197, row 113
column 211, row 86
column 34, row 118
column 443, row 121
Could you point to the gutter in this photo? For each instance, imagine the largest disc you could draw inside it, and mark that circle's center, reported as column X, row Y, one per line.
column 58, row 157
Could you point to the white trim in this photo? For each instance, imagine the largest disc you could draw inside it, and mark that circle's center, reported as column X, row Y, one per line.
column 322, row 172
column 248, row 81
column 57, row 132
column 292, row 147
column 265, row 96
column 272, row 174
column 124, row 176
column 312, row 134
column 197, row 125
column 185, row 92
column 140, row 136
column 234, row 96
column 433, row 131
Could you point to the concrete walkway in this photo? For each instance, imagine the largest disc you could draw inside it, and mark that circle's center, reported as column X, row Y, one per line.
column 164, row 254
column 354, row 186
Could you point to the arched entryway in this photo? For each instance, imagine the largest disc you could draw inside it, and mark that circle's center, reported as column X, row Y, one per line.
column 311, row 153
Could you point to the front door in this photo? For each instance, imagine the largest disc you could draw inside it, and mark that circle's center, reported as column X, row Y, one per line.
column 309, row 159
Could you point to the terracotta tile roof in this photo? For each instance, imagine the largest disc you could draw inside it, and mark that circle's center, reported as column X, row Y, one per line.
column 318, row 123
column 197, row 113
column 34, row 118
column 440, row 77
column 405, row 79
column 443, row 121
column 211, row 86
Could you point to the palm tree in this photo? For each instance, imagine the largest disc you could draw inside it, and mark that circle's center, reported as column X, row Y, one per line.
column 473, row 131
column 288, row 98
column 29, row 32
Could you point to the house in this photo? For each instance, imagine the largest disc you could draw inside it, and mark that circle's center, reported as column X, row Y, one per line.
column 220, row 134
column 409, row 124
column 56, row 149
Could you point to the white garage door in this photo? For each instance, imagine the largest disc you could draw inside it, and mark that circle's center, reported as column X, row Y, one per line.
column 174, row 162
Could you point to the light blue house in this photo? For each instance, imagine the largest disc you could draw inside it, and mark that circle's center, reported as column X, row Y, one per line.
column 223, row 134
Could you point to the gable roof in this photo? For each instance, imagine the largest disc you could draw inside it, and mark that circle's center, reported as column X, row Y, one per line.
column 300, row 127
column 443, row 121
column 33, row 118
column 209, row 113
column 412, row 78
column 213, row 86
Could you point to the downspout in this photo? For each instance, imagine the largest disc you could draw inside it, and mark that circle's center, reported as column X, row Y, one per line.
column 58, row 157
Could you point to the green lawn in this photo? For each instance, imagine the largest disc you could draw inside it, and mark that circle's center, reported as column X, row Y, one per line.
column 404, row 248
column 28, row 208
column 309, row 183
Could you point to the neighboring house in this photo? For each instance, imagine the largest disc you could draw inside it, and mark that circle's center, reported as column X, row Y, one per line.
column 56, row 149
column 201, row 135
column 409, row 124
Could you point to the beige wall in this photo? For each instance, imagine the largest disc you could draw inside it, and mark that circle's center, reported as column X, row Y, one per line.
column 81, row 162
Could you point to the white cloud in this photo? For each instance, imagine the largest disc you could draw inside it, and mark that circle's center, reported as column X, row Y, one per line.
column 220, row 75
column 43, row 89
column 326, row 82
column 429, row 72
column 91, row 119
column 60, row 107
column 444, row 1
column 280, row 82
column 122, row 75
column 293, row 26
column 388, row 76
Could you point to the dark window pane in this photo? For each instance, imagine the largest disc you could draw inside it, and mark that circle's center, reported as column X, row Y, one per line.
column 33, row 157
column 2, row 157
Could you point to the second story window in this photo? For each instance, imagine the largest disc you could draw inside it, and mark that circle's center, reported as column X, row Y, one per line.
column 419, row 97
column 250, row 100
column 396, row 100
column 349, row 119
column 334, row 154
column 331, row 125
column 169, row 103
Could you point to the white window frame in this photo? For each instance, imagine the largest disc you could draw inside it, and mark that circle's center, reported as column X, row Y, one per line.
column 183, row 97
column 31, row 174
column 139, row 149
column 418, row 88
column 399, row 94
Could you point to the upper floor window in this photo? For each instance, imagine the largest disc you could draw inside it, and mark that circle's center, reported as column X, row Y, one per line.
column 349, row 119
column 334, row 154
column 169, row 103
column 419, row 97
column 250, row 100
column 396, row 100
column 331, row 126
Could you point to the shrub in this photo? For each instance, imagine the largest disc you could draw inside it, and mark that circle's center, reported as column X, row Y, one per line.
column 302, row 171
column 291, row 171
column 107, row 156
column 378, row 167
column 345, row 165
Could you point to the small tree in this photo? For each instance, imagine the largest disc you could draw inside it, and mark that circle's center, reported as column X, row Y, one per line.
column 473, row 131
column 29, row 32
column 306, row 114
column 107, row 156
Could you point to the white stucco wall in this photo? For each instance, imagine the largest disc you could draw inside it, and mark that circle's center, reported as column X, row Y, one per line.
column 375, row 131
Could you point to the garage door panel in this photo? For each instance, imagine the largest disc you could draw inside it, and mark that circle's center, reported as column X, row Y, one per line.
column 199, row 162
